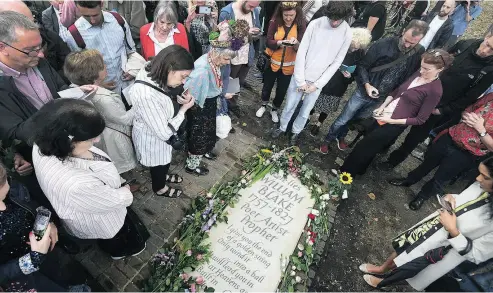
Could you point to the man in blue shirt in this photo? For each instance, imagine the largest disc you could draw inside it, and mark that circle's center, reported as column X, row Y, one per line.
column 464, row 13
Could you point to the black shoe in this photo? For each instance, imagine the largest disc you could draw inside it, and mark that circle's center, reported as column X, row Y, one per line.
column 210, row 156
column 400, row 182
column 199, row 171
column 384, row 166
column 233, row 130
column 416, row 203
column 293, row 139
column 315, row 130
column 276, row 133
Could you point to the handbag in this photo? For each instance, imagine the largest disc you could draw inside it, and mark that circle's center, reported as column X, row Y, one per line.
column 175, row 141
column 263, row 60
column 223, row 121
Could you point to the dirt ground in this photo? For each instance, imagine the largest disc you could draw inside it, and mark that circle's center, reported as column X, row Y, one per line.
column 363, row 227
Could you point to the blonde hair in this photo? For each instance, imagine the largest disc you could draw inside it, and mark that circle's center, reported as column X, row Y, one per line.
column 361, row 38
column 83, row 67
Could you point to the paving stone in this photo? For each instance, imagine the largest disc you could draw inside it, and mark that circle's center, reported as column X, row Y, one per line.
column 123, row 266
column 131, row 287
column 138, row 281
column 101, row 259
column 117, row 277
column 150, row 250
column 91, row 267
column 145, row 272
column 107, row 284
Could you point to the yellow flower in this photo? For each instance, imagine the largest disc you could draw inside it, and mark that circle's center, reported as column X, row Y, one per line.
column 345, row 178
column 266, row 151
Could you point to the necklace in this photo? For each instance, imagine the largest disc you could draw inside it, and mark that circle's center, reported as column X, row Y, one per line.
column 216, row 71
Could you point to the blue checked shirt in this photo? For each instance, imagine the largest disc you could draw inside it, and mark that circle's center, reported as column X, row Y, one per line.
column 108, row 39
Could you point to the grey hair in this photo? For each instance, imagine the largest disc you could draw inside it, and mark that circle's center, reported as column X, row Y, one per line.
column 361, row 38
column 224, row 52
column 10, row 21
column 166, row 10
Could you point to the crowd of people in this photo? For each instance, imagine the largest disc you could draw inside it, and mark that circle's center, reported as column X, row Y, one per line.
column 91, row 90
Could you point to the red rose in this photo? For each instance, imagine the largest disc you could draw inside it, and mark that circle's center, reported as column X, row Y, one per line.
column 311, row 216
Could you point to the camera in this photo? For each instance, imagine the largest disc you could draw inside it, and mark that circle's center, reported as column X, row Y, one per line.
column 203, row 9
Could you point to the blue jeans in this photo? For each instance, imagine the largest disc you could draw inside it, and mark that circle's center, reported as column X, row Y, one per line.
column 357, row 106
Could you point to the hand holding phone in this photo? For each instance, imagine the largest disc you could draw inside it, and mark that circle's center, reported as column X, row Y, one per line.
column 203, row 9
column 445, row 204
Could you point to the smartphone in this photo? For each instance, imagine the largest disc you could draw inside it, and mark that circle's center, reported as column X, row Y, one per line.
column 287, row 44
column 203, row 9
column 445, row 204
column 129, row 182
column 185, row 93
column 43, row 216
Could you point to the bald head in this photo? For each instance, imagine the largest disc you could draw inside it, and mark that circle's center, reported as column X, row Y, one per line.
column 447, row 8
column 16, row 6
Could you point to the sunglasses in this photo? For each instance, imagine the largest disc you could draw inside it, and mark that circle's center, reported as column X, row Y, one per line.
column 436, row 53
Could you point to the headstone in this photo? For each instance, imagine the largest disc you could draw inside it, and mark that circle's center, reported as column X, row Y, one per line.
column 264, row 226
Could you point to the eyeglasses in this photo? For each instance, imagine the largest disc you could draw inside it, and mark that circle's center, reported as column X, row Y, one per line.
column 32, row 53
column 436, row 54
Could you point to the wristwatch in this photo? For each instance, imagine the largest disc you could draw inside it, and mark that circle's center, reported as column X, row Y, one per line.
column 483, row 134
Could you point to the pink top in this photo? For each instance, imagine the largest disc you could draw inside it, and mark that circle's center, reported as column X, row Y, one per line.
column 69, row 13
column 31, row 84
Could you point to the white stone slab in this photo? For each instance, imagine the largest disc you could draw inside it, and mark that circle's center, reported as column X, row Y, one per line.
column 266, row 224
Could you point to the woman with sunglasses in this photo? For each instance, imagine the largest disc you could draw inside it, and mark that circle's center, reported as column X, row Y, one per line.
column 410, row 104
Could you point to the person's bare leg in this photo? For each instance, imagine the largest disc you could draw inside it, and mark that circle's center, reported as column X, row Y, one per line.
column 387, row 265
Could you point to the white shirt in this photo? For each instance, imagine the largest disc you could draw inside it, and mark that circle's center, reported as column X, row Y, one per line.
column 317, row 60
column 435, row 25
column 158, row 46
column 62, row 30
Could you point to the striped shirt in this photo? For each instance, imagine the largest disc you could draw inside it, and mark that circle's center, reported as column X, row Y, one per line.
column 153, row 112
column 109, row 40
column 86, row 194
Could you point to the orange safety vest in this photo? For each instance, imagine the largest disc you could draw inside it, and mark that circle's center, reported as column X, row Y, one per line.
column 284, row 56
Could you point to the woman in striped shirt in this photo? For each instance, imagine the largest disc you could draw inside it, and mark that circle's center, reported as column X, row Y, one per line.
column 159, row 112
column 80, row 181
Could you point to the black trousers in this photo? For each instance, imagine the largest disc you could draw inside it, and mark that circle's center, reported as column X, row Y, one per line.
column 416, row 135
column 379, row 138
column 158, row 177
column 270, row 78
column 450, row 160
column 240, row 71
column 127, row 241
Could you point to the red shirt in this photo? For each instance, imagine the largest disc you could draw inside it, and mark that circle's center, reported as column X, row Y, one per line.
column 467, row 137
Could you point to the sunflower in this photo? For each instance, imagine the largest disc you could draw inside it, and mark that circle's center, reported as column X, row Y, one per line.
column 346, row 178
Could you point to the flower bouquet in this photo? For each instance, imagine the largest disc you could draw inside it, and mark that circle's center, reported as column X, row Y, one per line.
column 339, row 186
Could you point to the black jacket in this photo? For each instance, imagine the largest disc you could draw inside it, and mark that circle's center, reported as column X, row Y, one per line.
column 443, row 34
column 338, row 84
column 56, row 50
column 50, row 20
column 18, row 195
column 16, row 109
column 385, row 51
column 467, row 78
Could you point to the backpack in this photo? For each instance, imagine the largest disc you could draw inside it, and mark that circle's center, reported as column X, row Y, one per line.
column 80, row 41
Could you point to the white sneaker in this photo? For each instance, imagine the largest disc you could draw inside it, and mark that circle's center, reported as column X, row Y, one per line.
column 260, row 112
column 275, row 116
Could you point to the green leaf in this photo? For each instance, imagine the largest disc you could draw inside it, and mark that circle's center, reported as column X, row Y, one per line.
column 309, row 249
column 209, row 289
column 232, row 204
column 290, row 288
column 226, row 219
column 187, row 270
column 295, row 260
column 168, row 281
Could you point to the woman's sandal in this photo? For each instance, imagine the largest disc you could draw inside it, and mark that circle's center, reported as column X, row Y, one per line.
column 170, row 192
column 364, row 268
column 372, row 281
column 174, row 178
